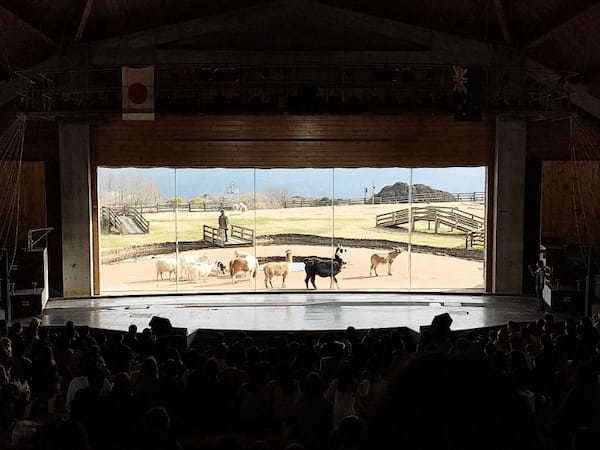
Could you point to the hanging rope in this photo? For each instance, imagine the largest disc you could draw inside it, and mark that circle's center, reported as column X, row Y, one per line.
column 11, row 155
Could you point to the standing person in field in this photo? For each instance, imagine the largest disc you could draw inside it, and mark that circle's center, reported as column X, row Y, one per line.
column 223, row 223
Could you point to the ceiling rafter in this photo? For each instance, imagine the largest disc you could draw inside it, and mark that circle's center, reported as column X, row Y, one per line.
column 501, row 15
column 85, row 17
column 31, row 28
column 549, row 34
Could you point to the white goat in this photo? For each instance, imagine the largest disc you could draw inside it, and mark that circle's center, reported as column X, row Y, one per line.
column 200, row 270
column 202, row 259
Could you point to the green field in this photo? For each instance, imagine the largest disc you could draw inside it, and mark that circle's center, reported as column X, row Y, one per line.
column 355, row 222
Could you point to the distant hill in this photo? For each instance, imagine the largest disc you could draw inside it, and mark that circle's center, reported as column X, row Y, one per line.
column 400, row 189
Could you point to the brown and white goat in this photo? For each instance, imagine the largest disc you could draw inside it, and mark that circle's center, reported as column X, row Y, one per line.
column 377, row 259
column 278, row 269
column 241, row 265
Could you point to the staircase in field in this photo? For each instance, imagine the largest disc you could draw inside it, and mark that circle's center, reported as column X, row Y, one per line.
column 453, row 218
column 123, row 220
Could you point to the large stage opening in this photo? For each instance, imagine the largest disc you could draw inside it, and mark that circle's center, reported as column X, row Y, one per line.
column 166, row 230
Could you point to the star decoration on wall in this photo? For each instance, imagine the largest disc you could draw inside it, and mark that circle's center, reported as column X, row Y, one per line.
column 460, row 79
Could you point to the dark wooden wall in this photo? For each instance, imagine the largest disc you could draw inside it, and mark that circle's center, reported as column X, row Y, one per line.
column 571, row 201
column 294, row 141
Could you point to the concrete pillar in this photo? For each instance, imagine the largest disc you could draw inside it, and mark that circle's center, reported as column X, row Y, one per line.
column 508, row 208
column 76, row 207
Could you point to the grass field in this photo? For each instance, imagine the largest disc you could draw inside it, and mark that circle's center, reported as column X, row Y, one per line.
column 354, row 221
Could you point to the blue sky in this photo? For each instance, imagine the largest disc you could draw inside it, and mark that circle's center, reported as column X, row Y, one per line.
column 306, row 182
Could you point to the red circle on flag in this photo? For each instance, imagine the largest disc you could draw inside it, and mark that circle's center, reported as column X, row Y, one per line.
column 137, row 93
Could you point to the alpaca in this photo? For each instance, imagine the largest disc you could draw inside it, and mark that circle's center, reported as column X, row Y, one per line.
column 274, row 269
column 384, row 259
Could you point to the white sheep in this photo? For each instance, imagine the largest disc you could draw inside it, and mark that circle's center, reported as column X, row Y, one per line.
column 165, row 266
column 172, row 266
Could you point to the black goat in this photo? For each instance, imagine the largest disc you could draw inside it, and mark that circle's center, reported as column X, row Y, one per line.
column 324, row 267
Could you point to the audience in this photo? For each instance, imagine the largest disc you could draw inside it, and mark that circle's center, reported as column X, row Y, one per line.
column 532, row 385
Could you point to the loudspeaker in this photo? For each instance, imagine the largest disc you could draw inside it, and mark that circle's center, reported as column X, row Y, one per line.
column 160, row 326
column 467, row 93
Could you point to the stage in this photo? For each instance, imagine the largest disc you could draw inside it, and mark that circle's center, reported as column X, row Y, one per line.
column 291, row 311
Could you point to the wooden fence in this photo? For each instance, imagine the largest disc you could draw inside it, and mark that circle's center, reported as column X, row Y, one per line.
column 475, row 238
column 238, row 235
column 200, row 206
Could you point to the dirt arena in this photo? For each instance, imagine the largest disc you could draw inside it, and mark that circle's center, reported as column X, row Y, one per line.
column 429, row 272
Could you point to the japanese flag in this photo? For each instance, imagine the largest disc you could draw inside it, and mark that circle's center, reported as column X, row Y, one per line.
column 138, row 93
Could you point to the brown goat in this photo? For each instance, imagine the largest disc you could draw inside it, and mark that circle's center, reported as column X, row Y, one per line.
column 384, row 259
column 278, row 269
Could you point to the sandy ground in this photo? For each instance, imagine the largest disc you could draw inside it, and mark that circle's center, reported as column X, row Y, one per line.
column 429, row 272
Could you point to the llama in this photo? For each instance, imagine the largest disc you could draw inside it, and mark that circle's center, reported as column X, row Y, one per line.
column 324, row 267
column 388, row 259
column 278, row 269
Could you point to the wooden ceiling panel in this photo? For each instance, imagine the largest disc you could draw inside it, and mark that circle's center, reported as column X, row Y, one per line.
column 294, row 141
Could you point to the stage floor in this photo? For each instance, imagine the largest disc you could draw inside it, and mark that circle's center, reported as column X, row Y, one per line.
column 291, row 311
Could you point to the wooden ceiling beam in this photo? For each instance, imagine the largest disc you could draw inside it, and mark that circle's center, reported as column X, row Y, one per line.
column 29, row 27
column 594, row 8
column 579, row 94
column 85, row 17
column 501, row 15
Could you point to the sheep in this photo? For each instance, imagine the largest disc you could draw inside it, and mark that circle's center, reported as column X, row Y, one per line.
column 274, row 269
column 165, row 266
column 381, row 259
column 171, row 266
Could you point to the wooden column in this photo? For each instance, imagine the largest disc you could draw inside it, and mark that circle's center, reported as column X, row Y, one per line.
column 508, row 209
column 76, row 207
